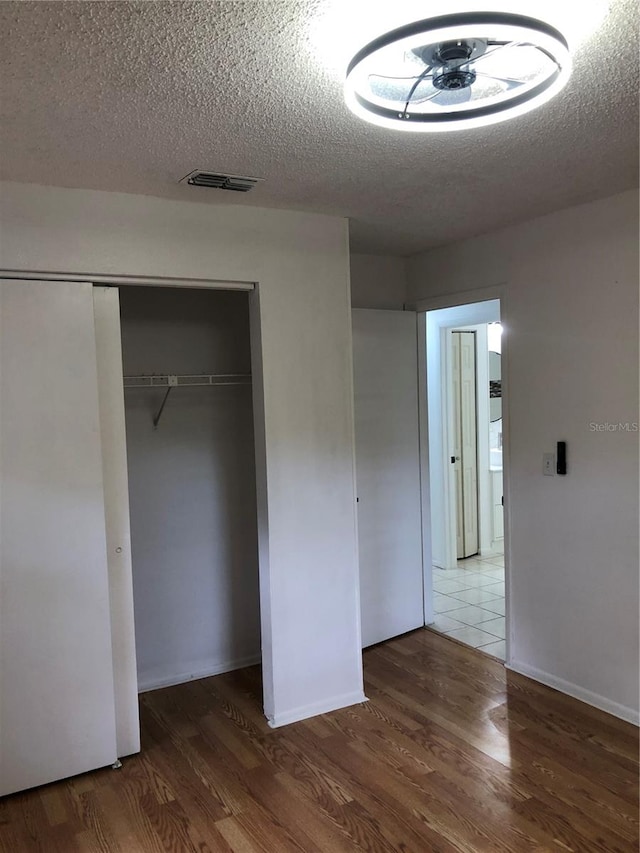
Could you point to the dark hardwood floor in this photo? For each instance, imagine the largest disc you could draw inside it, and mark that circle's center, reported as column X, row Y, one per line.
column 451, row 753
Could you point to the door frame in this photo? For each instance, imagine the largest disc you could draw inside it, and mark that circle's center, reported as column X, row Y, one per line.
column 115, row 398
column 422, row 306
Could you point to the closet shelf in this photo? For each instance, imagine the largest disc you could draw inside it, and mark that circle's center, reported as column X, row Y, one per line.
column 175, row 380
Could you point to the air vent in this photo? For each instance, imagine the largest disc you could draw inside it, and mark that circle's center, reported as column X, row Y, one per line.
column 216, row 181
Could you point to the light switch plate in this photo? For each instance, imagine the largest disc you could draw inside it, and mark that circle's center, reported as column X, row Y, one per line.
column 549, row 464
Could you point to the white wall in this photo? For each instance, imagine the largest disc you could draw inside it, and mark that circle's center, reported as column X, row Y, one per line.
column 571, row 298
column 378, row 281
column 192, row 486
column 303, row 382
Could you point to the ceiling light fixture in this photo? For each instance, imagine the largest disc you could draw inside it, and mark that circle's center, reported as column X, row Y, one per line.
column 457, row 71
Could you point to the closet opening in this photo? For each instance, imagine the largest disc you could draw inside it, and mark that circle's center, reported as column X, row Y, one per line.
column 192, row 483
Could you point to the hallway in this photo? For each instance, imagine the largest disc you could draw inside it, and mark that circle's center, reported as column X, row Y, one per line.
column 469, row 603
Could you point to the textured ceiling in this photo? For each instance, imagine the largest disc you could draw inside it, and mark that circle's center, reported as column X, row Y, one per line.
column 132, row 96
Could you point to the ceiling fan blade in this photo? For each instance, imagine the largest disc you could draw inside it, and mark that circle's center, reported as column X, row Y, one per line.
column 422, row 77
column 393, row 88
column 500, row 77
column 504, row 46
column 393, row 77
column 507, row 83
column 450, row 97
column 428, row 98
column 390, row 88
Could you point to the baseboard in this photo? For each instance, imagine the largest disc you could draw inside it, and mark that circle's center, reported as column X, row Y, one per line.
column 156, row 680
column 630, row 715
column 305, row 711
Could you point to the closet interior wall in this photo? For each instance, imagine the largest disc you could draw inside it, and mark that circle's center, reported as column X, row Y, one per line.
column 192, row 485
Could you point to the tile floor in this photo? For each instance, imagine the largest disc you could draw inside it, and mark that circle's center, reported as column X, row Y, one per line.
column 469, row 603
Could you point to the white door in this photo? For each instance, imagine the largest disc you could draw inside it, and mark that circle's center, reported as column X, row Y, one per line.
column 57, row 714
column 468, row 414
column 456, row 450
column 106, row 305
column 388, row 473
column 465, row 452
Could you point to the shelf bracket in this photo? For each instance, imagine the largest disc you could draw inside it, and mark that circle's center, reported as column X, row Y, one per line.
column 172, row 382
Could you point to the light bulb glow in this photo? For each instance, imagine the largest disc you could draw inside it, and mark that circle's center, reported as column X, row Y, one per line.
column 513, row 35
column 494, row 337
column 338, row 28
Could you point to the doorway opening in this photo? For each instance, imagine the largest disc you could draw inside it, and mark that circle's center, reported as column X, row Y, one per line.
column 463, row 484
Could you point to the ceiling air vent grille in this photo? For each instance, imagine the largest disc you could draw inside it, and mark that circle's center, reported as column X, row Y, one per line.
column 216, row 181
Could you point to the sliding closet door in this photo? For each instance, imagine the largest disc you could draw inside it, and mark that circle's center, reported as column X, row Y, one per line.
column 106, row 303
column 56, row 700
column 388, row 473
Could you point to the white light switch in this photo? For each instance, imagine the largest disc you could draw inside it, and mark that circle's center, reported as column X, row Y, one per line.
column 549, row 464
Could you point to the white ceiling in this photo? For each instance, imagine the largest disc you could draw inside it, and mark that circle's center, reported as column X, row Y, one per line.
column 133, row 96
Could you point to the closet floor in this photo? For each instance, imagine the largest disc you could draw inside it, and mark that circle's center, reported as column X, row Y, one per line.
column 469, row 603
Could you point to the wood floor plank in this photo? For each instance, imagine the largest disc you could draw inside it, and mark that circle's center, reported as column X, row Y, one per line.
column 327, row 834
column 421, row 797
column 267, row 832
column 451, row 754
column 236, row 837
column 395, row 820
